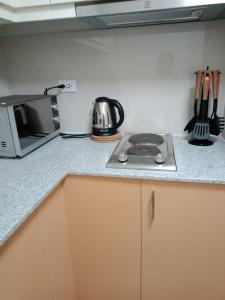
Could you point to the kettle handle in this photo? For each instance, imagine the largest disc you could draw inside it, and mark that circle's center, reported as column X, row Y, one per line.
column 120, row 111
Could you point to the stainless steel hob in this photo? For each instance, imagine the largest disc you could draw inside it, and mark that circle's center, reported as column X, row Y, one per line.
column 145, row 151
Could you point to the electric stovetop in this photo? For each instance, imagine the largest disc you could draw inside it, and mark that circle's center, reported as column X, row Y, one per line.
column 144, row 151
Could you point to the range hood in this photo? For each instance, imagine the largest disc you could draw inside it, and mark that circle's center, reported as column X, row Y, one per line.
column 109, row 14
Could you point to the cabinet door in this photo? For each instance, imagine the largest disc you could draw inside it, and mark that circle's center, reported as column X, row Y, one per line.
column 183, row 242
column 4, row 2
column 68, row 1
column 62, row 1
column 6, row 14
column 23, row 271
column 28, row 3
column 35, row 264
column 104, row 231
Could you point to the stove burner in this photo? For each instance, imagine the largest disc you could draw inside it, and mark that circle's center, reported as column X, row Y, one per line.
column 146, row 138
column 144, row 156
column 143, row 150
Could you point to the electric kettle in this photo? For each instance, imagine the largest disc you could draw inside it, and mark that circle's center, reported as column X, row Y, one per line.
column 105, row 117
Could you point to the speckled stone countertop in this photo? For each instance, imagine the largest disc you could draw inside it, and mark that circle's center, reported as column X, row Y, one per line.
column 25, row 182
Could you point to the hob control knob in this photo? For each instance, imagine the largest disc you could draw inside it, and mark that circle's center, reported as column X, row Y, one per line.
column 159, row 158
column 122, row 157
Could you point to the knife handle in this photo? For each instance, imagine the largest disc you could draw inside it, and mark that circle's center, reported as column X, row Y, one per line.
column 198, row 84
column 216, row 81
column 207, row 77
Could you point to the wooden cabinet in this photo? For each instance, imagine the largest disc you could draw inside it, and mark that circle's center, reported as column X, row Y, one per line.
column 99, row 238
column 4, row 2
column 35, row 264
column 105, row 237
column 45, row 12
column 18, row 11
column 28, row 3
column 62, row 1
column 70, row 1
column 183, row 241
column 83, row 243
column 6, row 13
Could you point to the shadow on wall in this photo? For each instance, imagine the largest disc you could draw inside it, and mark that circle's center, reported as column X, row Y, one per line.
column 4, row 81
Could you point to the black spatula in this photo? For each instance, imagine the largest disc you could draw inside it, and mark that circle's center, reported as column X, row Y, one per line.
column 191, row 124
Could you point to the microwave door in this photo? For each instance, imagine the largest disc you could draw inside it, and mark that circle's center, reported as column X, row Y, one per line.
column 35, row 124
column 7, row 148
column 13, row 125
column 40, row 117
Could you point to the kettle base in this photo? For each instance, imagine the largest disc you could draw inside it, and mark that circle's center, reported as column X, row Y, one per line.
column 106, row 139
column 104, row 132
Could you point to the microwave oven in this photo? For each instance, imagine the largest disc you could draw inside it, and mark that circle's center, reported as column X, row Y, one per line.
column 27, row 122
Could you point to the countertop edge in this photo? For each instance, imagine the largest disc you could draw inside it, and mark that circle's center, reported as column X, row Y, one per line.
column 92, row 162
column 29, row 213
column 133, row 177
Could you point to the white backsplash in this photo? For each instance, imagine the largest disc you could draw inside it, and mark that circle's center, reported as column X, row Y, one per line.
column 150, row 70
column 4, row 82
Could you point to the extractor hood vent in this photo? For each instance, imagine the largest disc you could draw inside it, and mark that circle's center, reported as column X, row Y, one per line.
column 152, row 17
column 142, row 12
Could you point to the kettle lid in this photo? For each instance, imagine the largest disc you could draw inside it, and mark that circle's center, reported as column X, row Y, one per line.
column 103, row 99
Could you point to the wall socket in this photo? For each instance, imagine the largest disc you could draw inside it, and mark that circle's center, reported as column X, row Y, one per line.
column 70, row 86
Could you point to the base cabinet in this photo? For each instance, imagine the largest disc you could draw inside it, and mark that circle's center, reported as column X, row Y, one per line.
column 183, row 241
column 104, row 222
column 35, row 263
column 82, row 243
column 99, row 238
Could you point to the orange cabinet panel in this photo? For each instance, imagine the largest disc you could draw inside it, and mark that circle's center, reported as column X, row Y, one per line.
column 97, row 238
column 35, row 263
column 183, row 241
column 105, row 235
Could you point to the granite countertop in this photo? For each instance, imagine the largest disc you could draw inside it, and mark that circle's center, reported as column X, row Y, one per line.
column 26, row 182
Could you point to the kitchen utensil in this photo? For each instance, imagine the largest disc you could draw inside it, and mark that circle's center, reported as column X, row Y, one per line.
column 216, row 123
column 144, row 151
column 105, row 117
column 191, row 124
column 201, row 132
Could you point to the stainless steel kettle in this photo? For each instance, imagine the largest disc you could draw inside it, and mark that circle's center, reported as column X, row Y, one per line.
column 105, row 116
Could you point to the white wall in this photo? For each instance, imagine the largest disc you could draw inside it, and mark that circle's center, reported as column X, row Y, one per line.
column 4, row 83
column 150, row 70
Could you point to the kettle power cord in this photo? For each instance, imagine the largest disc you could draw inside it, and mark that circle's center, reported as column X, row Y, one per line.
column 71, row 136
column 66, row 135
column 60, row 86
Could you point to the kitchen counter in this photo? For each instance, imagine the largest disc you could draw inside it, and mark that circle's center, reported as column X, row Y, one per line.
column 26, row 182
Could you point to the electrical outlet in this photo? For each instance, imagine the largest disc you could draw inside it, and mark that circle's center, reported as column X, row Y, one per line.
column 70, row 86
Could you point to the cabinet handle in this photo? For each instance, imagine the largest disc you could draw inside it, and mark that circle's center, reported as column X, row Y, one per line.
column 153, row 206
